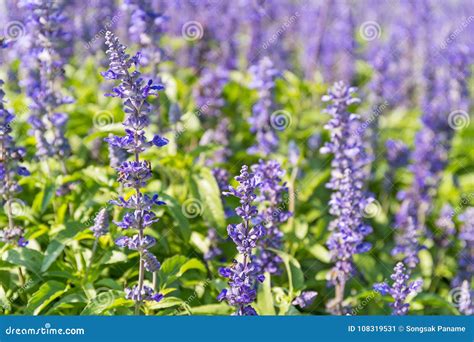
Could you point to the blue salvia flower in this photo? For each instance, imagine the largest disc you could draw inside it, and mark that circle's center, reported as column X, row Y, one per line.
column 272, row 215
column 446, row 92
column 348, row 178
column 465, row 305
column 214, row 250
column 264, row 75
column 218, row 136
column 400, row 289
column 397, row 153
column 10, row 171
column 49, row 48
column 134, row 174
column 243, row 274
column 208, row 93
column 116, row 155
column 305, row 299
column 338, row 44
column 466, row 257
column 446, row 228
column 146, row 28
column 101, row 223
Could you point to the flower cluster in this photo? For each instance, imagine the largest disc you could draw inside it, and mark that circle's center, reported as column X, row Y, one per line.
column 50, row 47
column 446, row 90
column 400, row 289
column 133, row 91
column 10, row 170
column 446, row 228
column 214, row 250
column 146, row 26
column 264, row 75
column 272, row 215
column 208, row 94
column 466, row 257
column 244, row 274
column 101, row 223
column 398, row 153
column 348, row 174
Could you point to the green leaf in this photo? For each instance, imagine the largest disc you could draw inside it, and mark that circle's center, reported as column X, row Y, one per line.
column 294, row 272
column 101, row 302
column 265, row 304
column 47, row 293
column 43, row 198
column 55, row 247
column 166, row 302
column 192, row 264
column 28, row 258
column 210, row 197
column 176, row 212
column 113, row 257
column 321, row 253
column 211, row 309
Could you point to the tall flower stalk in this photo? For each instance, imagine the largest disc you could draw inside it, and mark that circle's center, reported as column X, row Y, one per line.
column 348, row 199
column 264, row 75
column 49, row 47
column 446, row 93
column 243, row 274
column 466, row 257
column 400, row 289
column 134, row 174
column 273, row 214
column 10, row 170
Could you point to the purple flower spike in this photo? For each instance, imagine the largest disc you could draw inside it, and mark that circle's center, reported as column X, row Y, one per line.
column 273, row 214
column 348, row 177
column 243, row 275
column 10, row 172
column 134, row 91
column 400, row 289
column 101, row 223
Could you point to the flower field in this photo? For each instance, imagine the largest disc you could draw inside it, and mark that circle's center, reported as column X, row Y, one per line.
column 248, row 157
